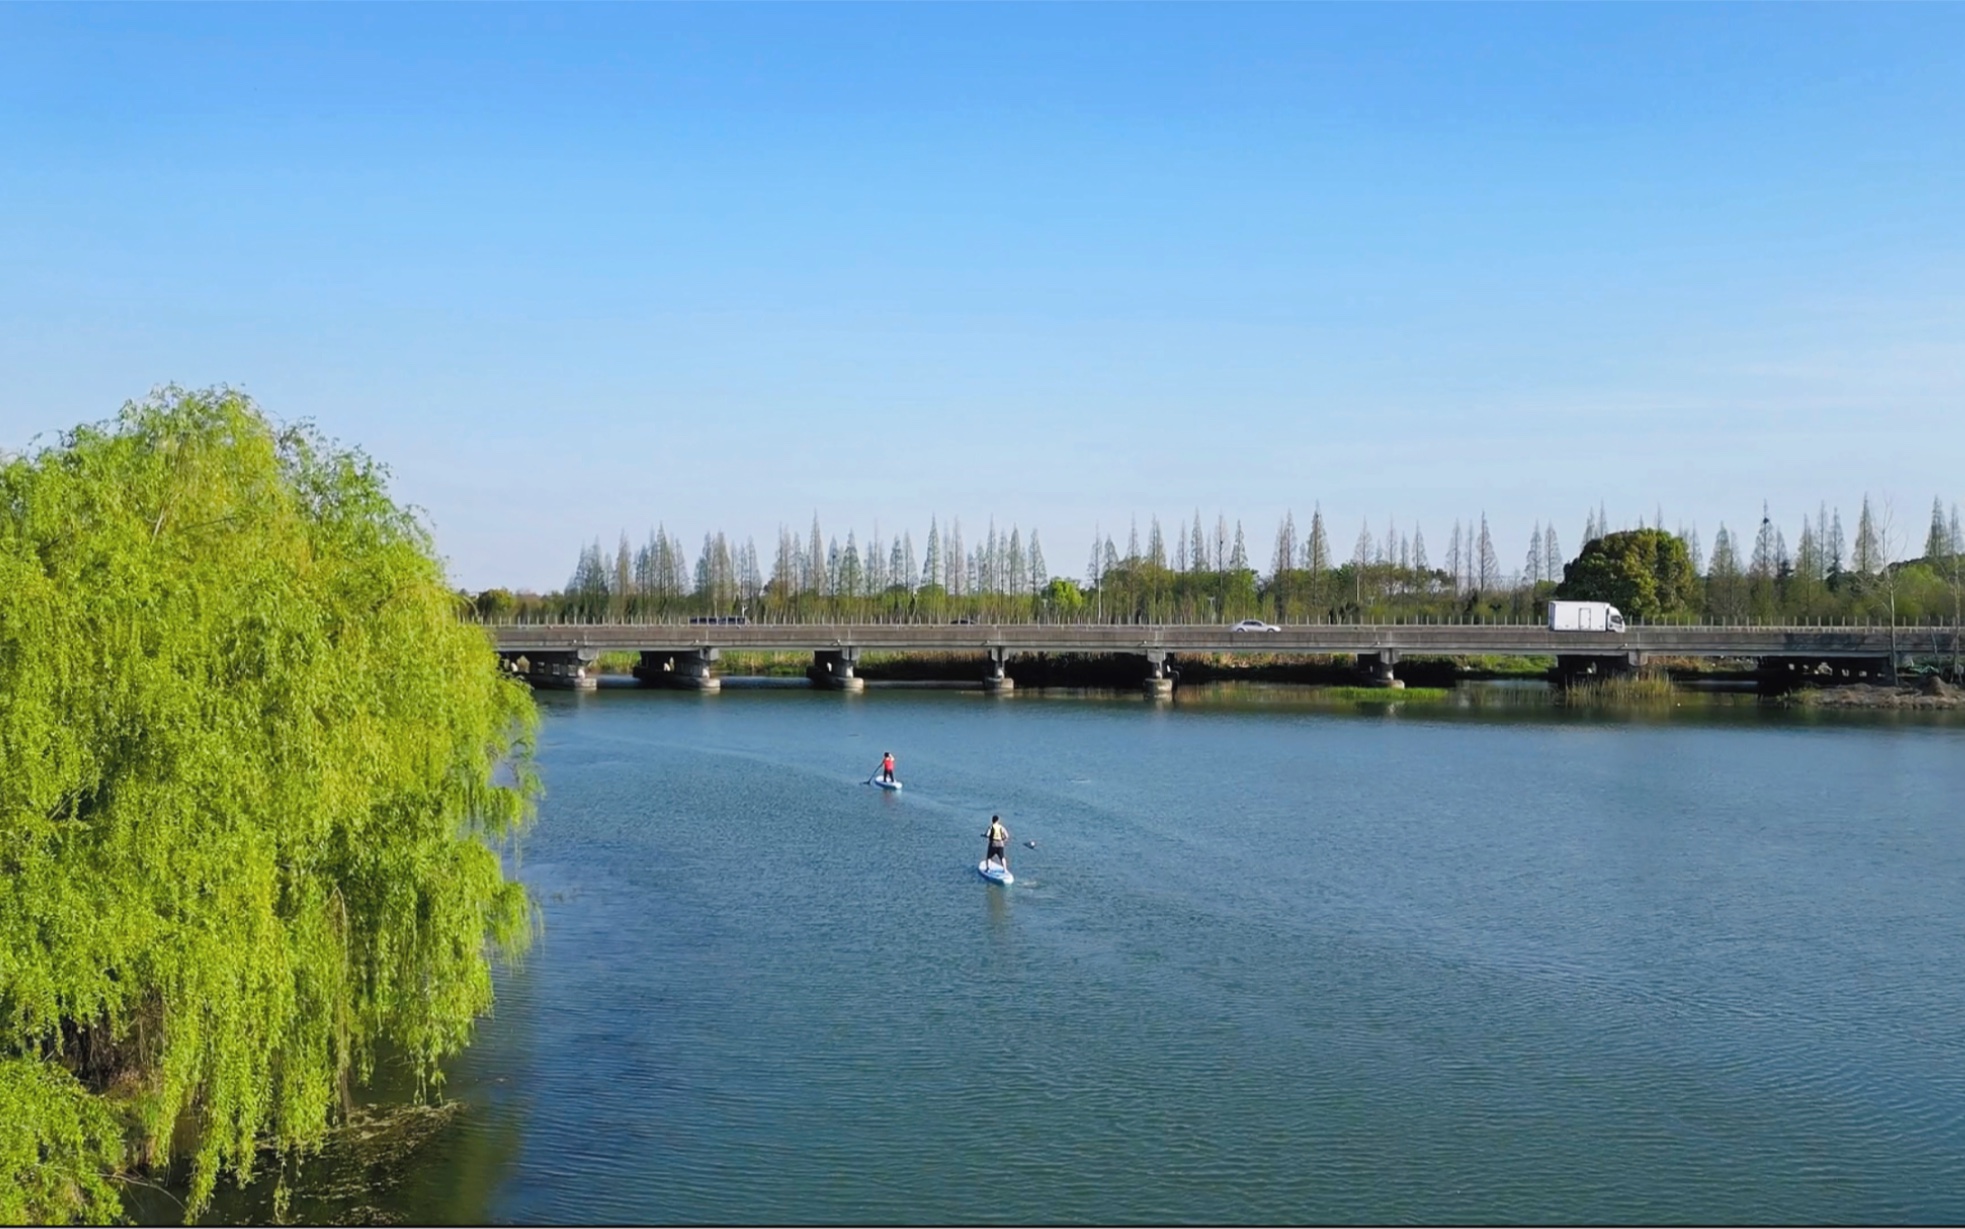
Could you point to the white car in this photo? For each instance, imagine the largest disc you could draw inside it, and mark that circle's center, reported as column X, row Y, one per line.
column 1254, row 625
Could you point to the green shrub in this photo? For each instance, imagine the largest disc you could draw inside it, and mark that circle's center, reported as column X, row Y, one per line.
column 1645, row 573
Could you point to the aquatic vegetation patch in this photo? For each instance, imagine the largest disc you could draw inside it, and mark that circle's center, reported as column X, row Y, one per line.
column 1644, row 689
column 1385, row 695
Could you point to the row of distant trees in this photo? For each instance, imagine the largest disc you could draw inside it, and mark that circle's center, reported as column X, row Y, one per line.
column 1657, row 575
column 1202, row 573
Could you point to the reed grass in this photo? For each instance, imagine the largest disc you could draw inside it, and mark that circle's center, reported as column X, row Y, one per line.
column 1647, row 689
column 1385, row 695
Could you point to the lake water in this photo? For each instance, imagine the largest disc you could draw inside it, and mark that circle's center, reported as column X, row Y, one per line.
column 1267, row 963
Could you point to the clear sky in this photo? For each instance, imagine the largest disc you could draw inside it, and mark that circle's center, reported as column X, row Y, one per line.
column 573, row 270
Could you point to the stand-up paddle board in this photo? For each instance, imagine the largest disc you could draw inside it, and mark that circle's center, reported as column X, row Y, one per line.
column 886, row 784
column 995, row 872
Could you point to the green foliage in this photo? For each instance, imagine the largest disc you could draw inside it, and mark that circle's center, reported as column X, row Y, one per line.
column 617, row 661
column 496, row 605
column 1386, row 695
column 1648, row 573
column 1063, row 597
column 250, row 796
column 1645, row 573
column 56, row 1144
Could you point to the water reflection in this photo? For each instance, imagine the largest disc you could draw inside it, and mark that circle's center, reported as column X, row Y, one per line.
column 997, row 908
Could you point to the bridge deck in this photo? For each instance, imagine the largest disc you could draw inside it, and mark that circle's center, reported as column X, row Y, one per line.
column 1408, row 638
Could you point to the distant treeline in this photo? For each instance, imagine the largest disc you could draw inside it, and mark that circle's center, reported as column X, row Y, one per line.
column 1198, row 574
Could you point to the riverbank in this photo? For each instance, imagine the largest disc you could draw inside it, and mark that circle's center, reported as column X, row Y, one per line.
column 1930, row 692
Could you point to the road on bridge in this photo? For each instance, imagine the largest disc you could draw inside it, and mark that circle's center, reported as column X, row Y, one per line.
column 1415, row 639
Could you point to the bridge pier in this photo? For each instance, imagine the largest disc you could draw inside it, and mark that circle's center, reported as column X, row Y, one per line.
column 688, row 671
column 833, row 669
column 1377, row 669
column 995, row 681
column 558, row 671
column 1159, row 682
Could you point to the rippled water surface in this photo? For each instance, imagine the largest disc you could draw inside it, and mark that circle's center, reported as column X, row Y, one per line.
column 1265, row 964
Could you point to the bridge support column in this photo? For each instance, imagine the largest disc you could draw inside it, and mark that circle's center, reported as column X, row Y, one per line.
column 833, row 669
column 690, row 671
column 1377, row 669
column 561, row 671
column 1159, row 681
column 995, row 681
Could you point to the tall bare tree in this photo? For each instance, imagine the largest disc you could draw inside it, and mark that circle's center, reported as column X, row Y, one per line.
column 1723, row 583
column 931, row 562
column 1955, row 560
column 1490, row 564
column 1285, row 557
column 1885, row 537
column 1317, row 550
column 1868, row 555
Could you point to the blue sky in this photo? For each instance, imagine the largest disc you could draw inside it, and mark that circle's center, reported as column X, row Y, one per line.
column 573, row 270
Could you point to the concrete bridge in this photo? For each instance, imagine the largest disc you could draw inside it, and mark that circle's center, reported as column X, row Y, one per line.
column 684, row 654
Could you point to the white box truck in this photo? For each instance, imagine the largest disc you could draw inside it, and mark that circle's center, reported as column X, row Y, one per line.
column 1584, row 617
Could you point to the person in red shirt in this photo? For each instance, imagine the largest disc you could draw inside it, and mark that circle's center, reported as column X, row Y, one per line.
column 886, row 765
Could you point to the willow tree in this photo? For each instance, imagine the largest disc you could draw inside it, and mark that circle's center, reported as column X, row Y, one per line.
column 254, row 776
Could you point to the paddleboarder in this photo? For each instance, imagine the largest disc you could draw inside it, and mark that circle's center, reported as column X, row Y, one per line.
column 999, row 840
